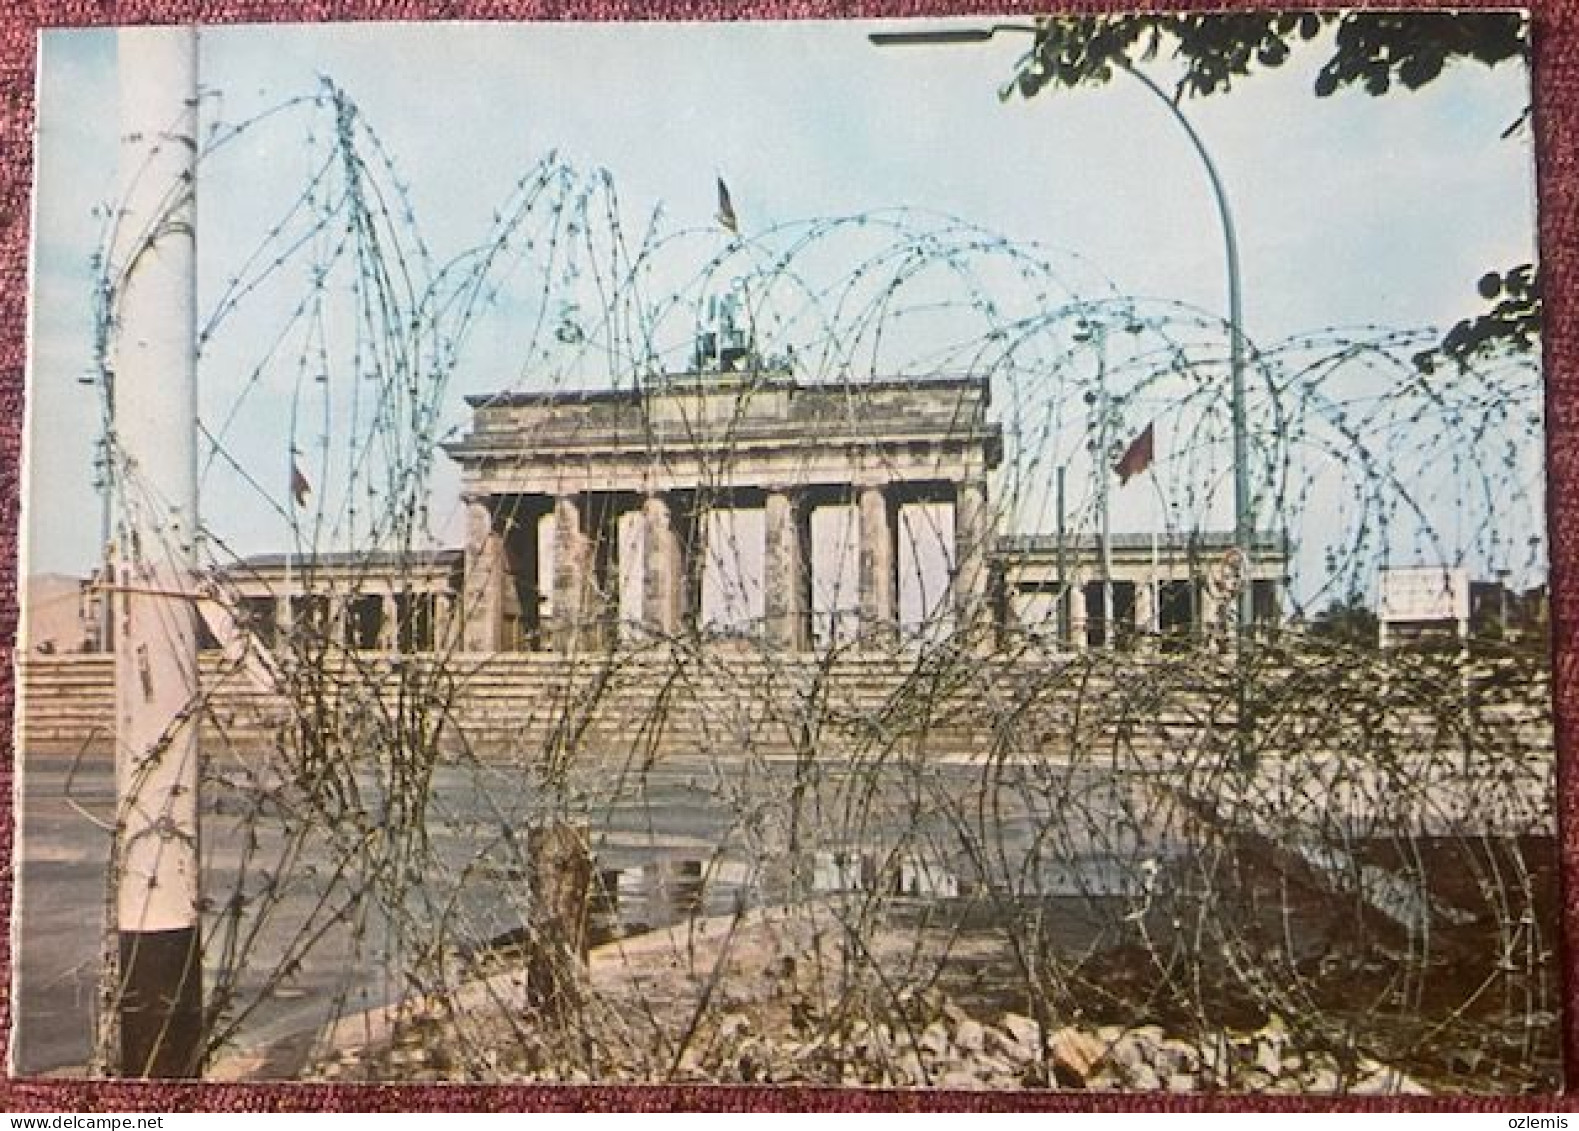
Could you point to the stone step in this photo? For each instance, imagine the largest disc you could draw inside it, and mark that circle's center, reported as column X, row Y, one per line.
column 526, row 701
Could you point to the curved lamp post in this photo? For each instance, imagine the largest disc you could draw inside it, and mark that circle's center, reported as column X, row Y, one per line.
column 1243, row 523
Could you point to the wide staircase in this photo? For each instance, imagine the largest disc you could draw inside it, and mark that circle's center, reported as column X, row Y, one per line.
column 533, row 704
column 716, row 701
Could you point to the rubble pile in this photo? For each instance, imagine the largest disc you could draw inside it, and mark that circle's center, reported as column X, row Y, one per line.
column 766, row 998
column 952, row 1051
column 956, row 1051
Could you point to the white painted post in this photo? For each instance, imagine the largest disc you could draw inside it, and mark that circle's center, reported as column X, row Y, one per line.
column 156, row 677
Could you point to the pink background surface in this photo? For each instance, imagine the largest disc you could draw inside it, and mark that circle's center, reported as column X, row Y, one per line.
column 1556, row 29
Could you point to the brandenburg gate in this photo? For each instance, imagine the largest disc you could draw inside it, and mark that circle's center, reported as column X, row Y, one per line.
column 689, row 444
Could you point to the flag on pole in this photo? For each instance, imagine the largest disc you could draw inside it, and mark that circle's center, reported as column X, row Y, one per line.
column 1137, row 457
column 726, row 209
column 300, row 488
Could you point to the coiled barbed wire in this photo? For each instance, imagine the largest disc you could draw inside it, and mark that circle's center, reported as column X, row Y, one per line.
column 1071, row 836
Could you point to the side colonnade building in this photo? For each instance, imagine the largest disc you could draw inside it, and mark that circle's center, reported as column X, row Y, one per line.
column 380, row 601
column 1174, row 586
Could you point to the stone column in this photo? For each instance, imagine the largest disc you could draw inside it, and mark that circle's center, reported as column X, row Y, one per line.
column 1079, row 614
column 879, row 575
column 482, row 589
column 389, row 624
column 1209, row 626
column 335, row 629
column 972, row 542
column 443, row 621
column 572, row 569
column 284, row 618
column 601, row 610
column 663, row 569
column 786, row 580
column 692, row 531
column 1145, row 611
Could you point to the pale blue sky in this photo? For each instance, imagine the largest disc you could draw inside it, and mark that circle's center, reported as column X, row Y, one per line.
column 1350, row 209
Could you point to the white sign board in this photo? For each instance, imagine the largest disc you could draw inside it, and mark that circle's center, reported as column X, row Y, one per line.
column 1429, row 593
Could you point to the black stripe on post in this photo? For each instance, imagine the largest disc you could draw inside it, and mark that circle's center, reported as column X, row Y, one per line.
column 161, row 1006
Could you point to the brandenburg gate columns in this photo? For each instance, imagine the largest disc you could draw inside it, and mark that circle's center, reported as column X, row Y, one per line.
column 663, row 569
column 786, row 576
column 686, row 445
column 482, row 608
column 878, row 581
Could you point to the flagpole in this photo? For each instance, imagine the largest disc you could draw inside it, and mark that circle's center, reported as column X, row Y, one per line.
column 288, row 627
column 1104, row 474
column 1154, row 624
column 1062, row 625
column 1109, row 614
column 721, row 309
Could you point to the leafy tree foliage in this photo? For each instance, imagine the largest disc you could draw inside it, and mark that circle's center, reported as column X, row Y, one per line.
column 1375, row 51
column 1513, row 321
column 1348, row 621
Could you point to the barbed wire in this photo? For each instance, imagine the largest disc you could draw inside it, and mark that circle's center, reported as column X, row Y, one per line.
column 923, row 862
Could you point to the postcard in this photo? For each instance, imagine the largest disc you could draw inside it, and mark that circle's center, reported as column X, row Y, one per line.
column 953, row 554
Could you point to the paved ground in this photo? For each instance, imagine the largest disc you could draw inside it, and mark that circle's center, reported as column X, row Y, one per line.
column 59, row 912
column 681, row 837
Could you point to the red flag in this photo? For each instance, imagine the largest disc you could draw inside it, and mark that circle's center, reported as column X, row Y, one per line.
column 726, row 209
column 300, row 488
column 1137, row 457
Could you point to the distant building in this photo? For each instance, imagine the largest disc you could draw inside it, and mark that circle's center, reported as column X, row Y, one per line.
column 60, row 614
column 1435, row 604
column 1497, row 611
column 380, row 601
column 1421, row 602
column 1174, row 586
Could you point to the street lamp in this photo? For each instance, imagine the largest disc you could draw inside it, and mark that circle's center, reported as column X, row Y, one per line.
column 1243, row 520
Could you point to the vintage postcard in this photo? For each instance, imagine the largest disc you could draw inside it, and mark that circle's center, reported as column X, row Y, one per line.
column 959, row 554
